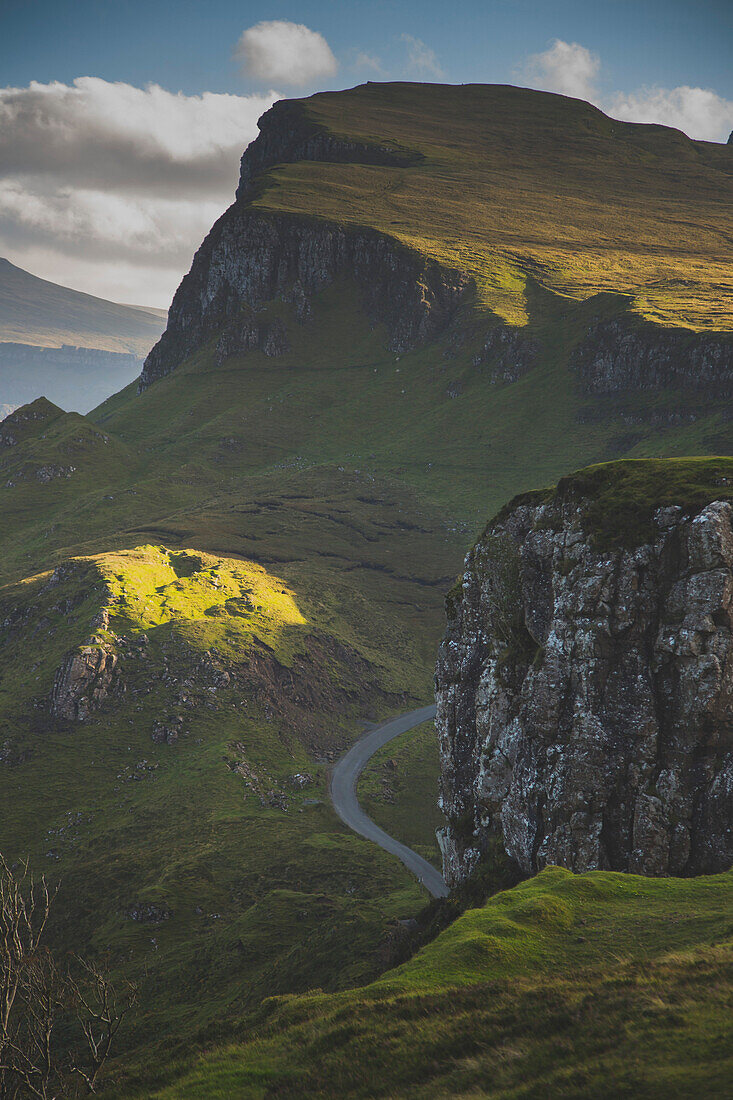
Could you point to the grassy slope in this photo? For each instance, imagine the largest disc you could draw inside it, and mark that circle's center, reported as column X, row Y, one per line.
column 34, row 311
column 265, row 889
column 355, row 480
column 306, row 467
column 398, row 790
column 597, row 985
column 540, row 187
column 339, row 399
column 621, row 498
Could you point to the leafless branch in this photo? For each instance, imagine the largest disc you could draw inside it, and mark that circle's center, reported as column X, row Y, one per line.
column 100, row 1011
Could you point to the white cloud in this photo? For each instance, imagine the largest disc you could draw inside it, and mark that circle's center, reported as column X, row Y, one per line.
column 116, row 136
column 279, row 52
column 368, row 61
column 421, row 59
column 567, row 68
column 699, row 112
column 110, row 188
column 571, row 69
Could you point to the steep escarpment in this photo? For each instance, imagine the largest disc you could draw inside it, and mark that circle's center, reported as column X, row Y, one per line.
column 249, row 258
column 585, row 683
column 411, row 192
column 288, row 134
column 615, row 357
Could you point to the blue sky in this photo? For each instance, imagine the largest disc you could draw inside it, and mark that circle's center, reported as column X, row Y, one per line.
column 188, row 44
column 122, row 121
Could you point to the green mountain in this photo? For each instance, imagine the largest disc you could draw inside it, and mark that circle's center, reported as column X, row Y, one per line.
column 423, row 301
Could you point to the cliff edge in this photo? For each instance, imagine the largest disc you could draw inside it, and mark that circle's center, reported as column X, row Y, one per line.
column 585, row 682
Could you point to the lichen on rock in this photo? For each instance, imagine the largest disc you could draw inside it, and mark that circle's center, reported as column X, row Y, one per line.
column 585, row 701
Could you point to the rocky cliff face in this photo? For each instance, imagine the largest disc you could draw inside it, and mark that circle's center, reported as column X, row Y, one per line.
column 585, row 696
column 251, row 257
column 287, row 135
column 615, row 357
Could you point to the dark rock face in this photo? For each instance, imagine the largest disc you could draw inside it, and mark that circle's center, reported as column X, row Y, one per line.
column 585, row 698
column 249, row 258
column 615, row 357
column 287, row 135
column 509, row 353
column 82, row 683
column 247, row 334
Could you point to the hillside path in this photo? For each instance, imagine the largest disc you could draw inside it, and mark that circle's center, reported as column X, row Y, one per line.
column 343, row 795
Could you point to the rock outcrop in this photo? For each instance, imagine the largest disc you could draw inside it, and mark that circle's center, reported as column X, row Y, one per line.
column 585, row 694
column 617, row 357
column 246, row 333
column 250, row 258
column 287, row 135
column 509, row 353
column 253, row 256
column 83, row 682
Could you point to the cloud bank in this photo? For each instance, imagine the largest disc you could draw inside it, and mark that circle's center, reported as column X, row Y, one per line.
column 572, row 69
column 100, row 180
column 290, row 54
column 699, row 112
column 567, row 68
column 422, row 61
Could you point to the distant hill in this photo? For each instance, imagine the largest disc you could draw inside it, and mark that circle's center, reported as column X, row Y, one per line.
column 71, row 347
column 34, row 311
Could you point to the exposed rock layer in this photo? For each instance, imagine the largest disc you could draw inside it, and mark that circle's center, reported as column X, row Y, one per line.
column 287, row 135
column 252, row 256
column 249, row 258
column 82, row 682
column 585, row 698
column 617, row 357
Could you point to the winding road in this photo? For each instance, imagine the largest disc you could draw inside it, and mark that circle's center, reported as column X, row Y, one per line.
column 344, row 778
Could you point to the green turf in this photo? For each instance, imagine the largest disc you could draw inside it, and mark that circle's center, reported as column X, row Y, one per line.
column 262, row 887
column 543, row 188
column 399, row 790
column 620, row 499
column 597, row 985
